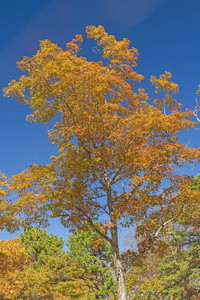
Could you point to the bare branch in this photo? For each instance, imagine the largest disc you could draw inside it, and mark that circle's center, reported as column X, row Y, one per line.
column 196, row 109
column 151, row 241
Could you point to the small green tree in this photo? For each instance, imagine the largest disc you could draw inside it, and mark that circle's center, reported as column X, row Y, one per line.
column 81, row 273
column 50, row 274
column 40, row 244
column 94, row 255
column 181, row 267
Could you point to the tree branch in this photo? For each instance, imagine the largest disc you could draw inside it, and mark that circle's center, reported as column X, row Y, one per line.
column 150, row 241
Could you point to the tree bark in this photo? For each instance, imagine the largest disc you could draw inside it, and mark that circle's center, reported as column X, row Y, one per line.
column 119, row 273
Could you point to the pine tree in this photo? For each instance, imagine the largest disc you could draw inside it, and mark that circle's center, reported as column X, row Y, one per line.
column 94, row 255
column 41, row 245
column 181, row 267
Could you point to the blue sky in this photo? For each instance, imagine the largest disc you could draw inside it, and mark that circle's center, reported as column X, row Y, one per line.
column 165, row 32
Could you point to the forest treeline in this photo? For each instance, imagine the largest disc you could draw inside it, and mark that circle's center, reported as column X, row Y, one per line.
column 117, row 165
column 34, row 266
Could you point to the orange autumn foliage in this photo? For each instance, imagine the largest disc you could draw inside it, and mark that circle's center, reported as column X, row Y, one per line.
column 12, row 260
column 22, row 278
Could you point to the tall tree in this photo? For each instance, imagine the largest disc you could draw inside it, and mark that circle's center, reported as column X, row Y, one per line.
column 114, row 148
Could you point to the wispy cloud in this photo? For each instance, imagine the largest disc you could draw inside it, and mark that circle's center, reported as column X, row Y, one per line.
column 55, row 21
column 128, row 12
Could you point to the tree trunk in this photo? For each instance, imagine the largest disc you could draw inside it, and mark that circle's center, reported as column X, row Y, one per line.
column 119, row 273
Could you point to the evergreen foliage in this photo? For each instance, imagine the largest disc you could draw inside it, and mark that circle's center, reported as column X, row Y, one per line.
column 181, row 267
column 94, row 256
column 40, row 245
